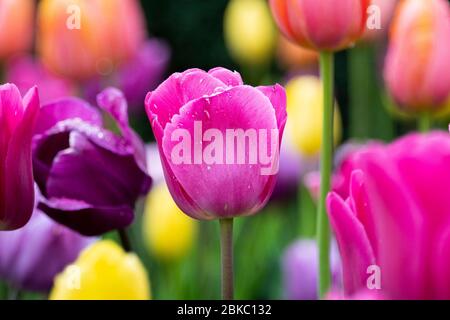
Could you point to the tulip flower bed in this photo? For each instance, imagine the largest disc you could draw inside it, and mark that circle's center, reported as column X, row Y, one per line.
column 307, row 156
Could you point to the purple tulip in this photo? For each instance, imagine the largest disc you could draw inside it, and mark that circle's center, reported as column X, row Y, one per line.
column 137, row 76
column 32, row 256
column 17, row 120
column 300, row 264
column 207, row 179
column 90, row 178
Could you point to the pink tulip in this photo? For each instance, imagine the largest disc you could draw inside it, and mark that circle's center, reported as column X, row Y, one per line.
column 397, row 219
column 328, row 25
column 217, row 101
column 417, row 64
column 17, row 121
column 26, row 72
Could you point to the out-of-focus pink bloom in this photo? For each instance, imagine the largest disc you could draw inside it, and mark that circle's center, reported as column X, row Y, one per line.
column 25, row 72
column 360, row 295
column 321, row 24
column 88, row 37
column 397, row 217
column 32, row 256
column 417, row 62
column 385, row 9
column 142, row 72
column 300, row 265
column 17, row 120
column 219, row 101
column 16, row 26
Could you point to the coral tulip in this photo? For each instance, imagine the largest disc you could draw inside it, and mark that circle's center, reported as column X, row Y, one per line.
column 305, row 108
column 103, row 271
column 17, row 120
column 16, row 26
column 212, row 181
column 327, row 25
column 169, row 234
column 90, row 178
column 393, row 230
column 417, row 63
column 250, row 32
column 83, row 38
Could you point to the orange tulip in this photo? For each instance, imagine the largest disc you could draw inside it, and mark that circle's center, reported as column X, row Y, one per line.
column 327, row 25
column 16, row 26
column 82, row 38
column 417, row 69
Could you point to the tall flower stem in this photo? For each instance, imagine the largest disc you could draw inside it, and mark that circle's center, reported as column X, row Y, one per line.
column 226, row 245
column 125, row 240
column 424, row 122
column 326, row 159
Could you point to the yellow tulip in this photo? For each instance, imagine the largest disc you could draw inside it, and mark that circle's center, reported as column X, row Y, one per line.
column 168, row 232
column 305, row 110
column 250, row 32
column 103, row 271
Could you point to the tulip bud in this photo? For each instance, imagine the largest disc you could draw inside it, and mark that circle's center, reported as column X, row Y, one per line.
column 210, row 180
column 16, row 26
column 417, row 63
column 168, row 233
column 324, row 25
column 250, row 32
column 305, row 109
column 17, row 120
column 84, row 38
column 103, row 271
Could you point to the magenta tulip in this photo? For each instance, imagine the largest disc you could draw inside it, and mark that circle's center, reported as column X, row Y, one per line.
column 396, row 219
column 17, row 121
column 210, row 180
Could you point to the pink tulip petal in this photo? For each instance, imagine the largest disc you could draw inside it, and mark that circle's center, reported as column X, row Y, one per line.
column 354, row 245
column 213, row 186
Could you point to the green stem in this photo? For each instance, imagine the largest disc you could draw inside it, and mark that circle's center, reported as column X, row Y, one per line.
column 424, row 122
column 226, row 244
column 326, row 159
column 125, row 240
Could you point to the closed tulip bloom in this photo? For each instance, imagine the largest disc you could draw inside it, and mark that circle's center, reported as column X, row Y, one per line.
column 83, row 38
column 215, row 184
column 17, row 120
column 32, row 256
column 168, row 233
column 300, row 262
column 103, row 271
column 327, row 25
column 16, row 26
column 25, row 72
column 305, row 108
column 417, row 62
column 90, row 178
column 396, row 218
column 250, row 32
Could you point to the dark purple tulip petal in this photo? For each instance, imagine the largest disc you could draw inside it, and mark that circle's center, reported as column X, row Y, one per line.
column 87, row 219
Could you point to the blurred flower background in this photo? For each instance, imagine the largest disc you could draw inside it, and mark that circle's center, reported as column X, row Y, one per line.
column 97, row 167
